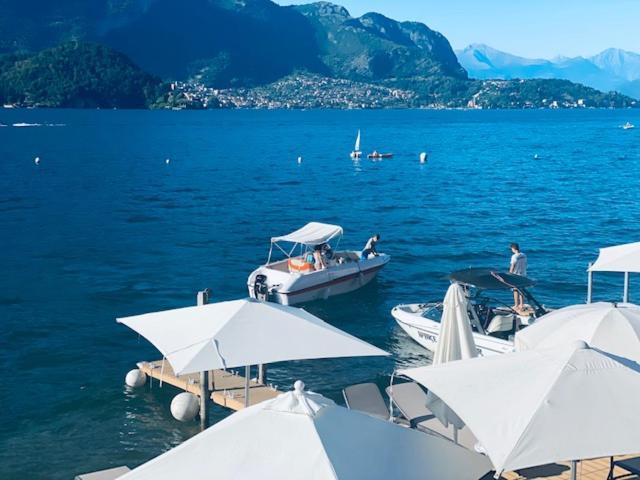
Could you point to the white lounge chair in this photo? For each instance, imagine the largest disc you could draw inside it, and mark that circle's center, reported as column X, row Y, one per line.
column 411, row 401
column 366, row 397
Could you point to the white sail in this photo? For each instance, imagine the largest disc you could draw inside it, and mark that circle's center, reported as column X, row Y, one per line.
column 357, row 146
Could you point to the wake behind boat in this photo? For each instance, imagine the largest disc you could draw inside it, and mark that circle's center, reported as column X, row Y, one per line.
column 494, row 323
column 298, row 279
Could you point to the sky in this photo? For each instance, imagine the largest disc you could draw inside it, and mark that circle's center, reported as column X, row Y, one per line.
column 533, row 28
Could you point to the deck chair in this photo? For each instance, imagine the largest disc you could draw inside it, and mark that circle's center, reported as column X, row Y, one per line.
column 109, row 474
column 631, row 465
column 366, row 397
column 411, row 401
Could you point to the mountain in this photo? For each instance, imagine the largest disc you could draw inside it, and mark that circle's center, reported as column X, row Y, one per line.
column 76, row 75
column 612, row 69
column 233, row 42
column 237, row 45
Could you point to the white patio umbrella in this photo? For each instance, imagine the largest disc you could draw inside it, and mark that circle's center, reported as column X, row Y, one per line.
column 243, row 332
column 542, row 406
column 455, row 342
column 303, row 435
column 614, row 328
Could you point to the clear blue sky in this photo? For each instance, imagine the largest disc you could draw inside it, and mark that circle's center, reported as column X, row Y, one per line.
column 533, row 28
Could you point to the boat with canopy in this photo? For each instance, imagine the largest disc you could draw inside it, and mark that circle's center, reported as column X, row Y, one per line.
column 297, row 278
column 493, row 321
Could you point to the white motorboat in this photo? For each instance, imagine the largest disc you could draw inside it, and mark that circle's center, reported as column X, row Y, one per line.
column 628, row 126
column 295, row 278
column 494, row 323
column 356, row 149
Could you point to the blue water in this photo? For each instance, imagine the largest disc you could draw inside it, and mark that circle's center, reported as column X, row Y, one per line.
column 103, row 227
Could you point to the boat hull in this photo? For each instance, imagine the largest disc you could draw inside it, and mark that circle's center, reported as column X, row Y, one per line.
column 295, row 288
column 426, row 332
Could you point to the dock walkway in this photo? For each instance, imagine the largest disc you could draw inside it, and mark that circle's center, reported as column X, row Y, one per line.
column 596, row 469
column 227, row 388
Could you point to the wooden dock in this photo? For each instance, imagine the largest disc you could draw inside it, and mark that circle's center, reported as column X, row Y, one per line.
column 227, row 388
column 596, row 469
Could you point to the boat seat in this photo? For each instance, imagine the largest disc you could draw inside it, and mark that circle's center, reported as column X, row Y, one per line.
column 500, row 323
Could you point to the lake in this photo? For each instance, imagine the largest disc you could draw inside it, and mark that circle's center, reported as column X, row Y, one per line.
column 103, row 227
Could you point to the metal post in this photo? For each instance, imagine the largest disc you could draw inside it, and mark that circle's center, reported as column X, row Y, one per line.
column 262, row 374
column 247, row 373
column 203, row 299
column 574, row 470
column 625, row 293
column 589, row 283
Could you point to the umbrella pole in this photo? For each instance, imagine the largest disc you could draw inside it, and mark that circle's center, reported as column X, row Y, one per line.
column 589, row 283
column 203, row 299
column 247, row 374
column 574, row 470
column 625, row 294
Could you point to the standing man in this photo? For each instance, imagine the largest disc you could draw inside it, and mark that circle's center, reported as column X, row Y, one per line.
column 370, row 247
column 519, row 267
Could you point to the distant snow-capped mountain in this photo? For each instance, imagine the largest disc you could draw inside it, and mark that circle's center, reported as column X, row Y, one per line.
column 612, row 69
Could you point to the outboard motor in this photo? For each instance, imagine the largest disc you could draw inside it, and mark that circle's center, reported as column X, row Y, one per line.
column 260, row 288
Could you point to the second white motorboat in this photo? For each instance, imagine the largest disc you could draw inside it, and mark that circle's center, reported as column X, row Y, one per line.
column 494, row 323
column 295, row 279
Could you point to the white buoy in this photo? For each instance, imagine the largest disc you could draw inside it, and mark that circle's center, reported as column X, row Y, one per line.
column 185, row 407
column 167, row 161
column 299, row 160
column 423, row 157
column 536, row 157
column 36, row 160
column 135, row 378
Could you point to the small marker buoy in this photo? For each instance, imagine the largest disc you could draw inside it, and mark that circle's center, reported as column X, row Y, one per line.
column 423, row 157
column 36, row 160
column 299, row 160
column 167, row 161
column 536, row 157
column 185, row 407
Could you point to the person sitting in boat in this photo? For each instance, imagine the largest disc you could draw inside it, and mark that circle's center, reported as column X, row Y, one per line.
column 370, row 247
column 327, row 253
column 518, row 265
column 319, row 263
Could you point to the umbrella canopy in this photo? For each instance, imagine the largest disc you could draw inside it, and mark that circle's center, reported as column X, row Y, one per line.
column 313, row 233
column 614, row 328
column 455, row 341
column 305, row 435
column 620, row 258
column 542, row 406
column 243, row 332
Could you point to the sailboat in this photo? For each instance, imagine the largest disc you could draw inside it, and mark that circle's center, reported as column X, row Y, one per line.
column 628, row 126
column 356, row 149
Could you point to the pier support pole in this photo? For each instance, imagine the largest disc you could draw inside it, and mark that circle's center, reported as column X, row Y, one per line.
column 262, row 374
column 625, row 293
column 589, row 283
column 203, row 299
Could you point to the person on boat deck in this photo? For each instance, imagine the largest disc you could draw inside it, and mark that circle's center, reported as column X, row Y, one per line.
column 319, row 263
column 370, row 247
column 518, row 266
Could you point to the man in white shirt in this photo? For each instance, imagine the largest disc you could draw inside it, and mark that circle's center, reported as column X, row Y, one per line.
column 519, row 267
column 370, row 247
